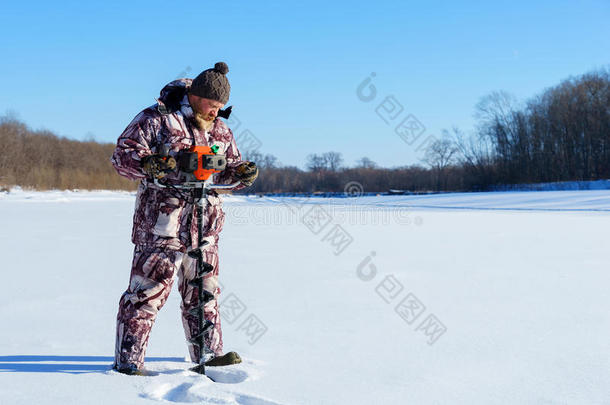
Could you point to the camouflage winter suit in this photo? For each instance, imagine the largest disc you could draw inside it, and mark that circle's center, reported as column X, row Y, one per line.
column 165, row 225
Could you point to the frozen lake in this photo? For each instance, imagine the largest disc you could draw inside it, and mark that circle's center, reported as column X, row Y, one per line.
column 488, row 298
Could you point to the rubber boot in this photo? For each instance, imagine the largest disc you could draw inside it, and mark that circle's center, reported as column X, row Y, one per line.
column 224, row 360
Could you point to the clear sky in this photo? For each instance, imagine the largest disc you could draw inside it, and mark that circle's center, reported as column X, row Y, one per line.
column 83, row 69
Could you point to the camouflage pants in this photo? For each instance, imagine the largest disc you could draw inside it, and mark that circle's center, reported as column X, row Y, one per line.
column 152, row 276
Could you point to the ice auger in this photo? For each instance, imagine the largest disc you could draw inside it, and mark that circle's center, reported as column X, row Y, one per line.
column 196, row 166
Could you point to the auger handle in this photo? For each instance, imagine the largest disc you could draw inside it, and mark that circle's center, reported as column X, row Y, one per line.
column 198, row 184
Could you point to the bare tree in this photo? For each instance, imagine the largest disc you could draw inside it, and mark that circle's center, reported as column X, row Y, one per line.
column 332, row 161
column 252, row 155
column 315, row 163
column 329, row 161
column 266, row 161
column 269, row 162
column 496, row 106
column 475, row 156
column 365, row 163
column 439, row 155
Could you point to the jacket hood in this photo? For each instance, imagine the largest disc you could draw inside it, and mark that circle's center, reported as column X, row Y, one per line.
column 172, row 95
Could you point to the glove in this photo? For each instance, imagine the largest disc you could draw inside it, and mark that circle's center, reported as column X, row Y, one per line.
column 157, row 166
column 246, row 173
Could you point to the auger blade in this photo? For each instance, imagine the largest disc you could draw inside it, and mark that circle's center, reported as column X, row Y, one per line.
column 196, row 282
column 207, row 297
column 209, row 325
column 195, row 253
column 205, row 269
column 195, row 311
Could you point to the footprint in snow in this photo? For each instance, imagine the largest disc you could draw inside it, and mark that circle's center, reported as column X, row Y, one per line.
column 202, row 392
column 226, row 376
column 174, row 383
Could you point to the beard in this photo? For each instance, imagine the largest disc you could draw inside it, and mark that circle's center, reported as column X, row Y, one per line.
column 201, row 122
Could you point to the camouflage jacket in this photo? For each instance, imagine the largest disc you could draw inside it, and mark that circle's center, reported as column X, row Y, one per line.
column 166, row 217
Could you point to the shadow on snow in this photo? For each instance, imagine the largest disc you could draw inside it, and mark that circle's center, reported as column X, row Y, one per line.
column 64, row 364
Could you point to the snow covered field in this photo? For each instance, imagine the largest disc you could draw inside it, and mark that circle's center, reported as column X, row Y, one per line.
column 497, row 298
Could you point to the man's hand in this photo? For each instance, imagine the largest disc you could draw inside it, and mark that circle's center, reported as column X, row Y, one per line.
column 246, row 172
column 157, row 166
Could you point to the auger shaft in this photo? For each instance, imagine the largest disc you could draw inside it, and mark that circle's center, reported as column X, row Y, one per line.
column 204, row 326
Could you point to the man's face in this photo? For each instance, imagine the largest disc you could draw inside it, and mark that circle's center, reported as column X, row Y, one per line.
column 204, row 108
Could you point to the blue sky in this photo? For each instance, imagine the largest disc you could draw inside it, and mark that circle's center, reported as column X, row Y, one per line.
column 86, row 69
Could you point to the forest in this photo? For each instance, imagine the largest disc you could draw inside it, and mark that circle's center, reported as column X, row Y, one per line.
column 562, row 134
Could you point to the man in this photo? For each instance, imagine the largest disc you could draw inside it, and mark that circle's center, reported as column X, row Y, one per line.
column 164, row 224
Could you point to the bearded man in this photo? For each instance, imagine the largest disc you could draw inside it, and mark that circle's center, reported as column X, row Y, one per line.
column 165, row 226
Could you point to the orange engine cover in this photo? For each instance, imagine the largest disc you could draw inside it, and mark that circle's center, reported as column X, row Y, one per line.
column 208, row 162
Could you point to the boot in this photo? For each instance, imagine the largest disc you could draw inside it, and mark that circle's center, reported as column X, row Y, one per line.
column 224, row 360
column 129, row 369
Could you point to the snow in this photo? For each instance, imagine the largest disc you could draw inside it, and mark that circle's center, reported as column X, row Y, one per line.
column 508, row 293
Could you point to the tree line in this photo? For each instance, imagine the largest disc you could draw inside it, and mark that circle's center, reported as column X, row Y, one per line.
column 44, row 161
column 562, row 134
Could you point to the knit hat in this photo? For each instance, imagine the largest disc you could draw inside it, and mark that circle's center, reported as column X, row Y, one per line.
column 212, row 84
